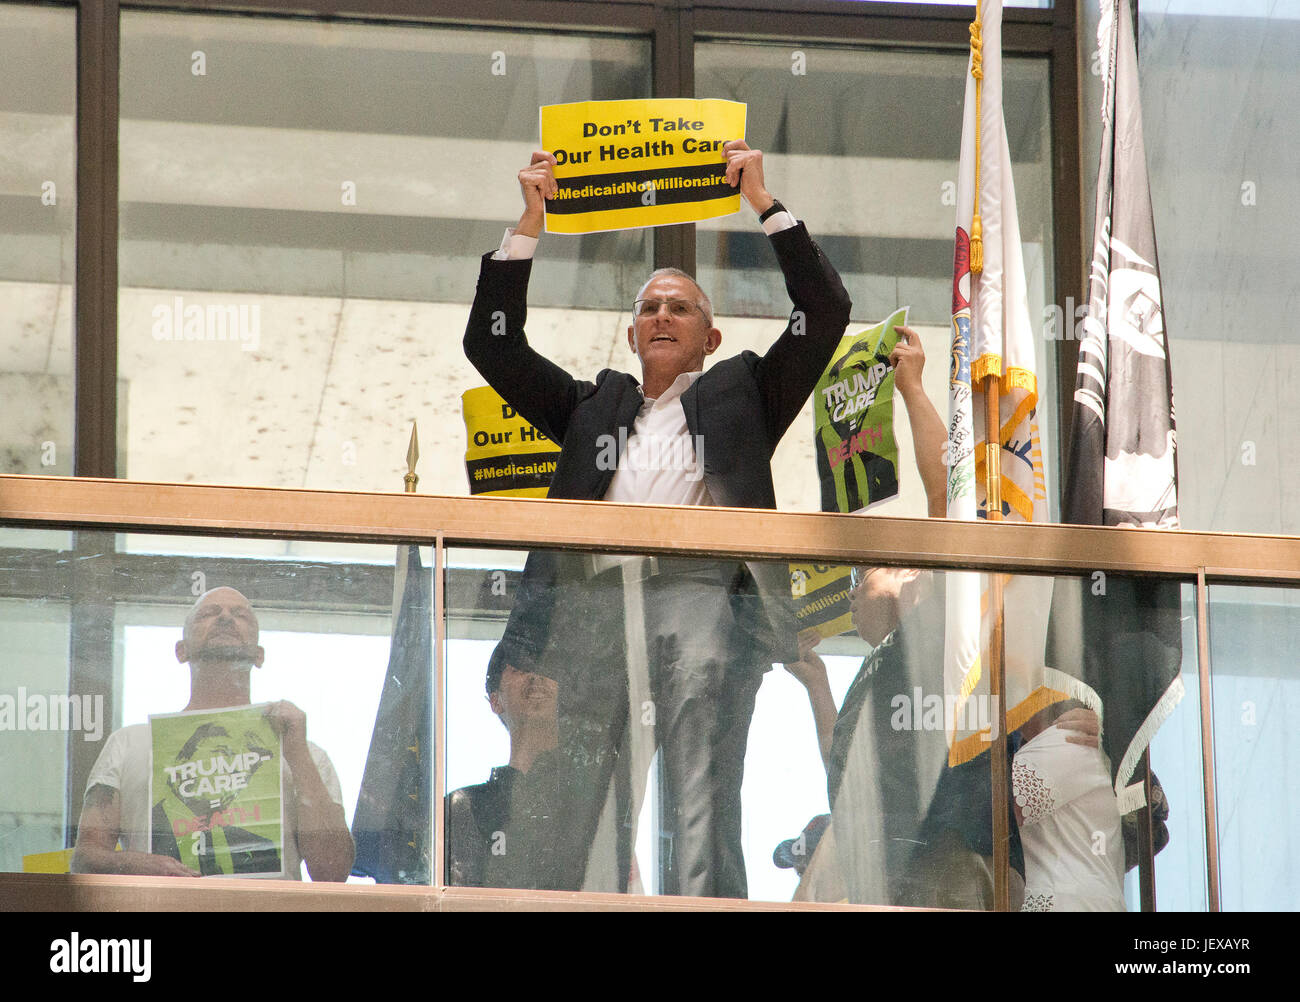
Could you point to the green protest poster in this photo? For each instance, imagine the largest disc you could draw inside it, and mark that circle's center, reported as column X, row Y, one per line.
column 853, row 420
column 857, row 459
column 216, row 786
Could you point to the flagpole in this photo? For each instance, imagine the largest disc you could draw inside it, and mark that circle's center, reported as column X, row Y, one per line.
column 993, row 512
column 393, row 821
column 409, row 480
column 412, row 457
column 1146, row 840
column 997, row 652
column 437, row 728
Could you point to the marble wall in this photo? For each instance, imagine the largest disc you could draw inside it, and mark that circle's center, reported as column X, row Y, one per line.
column 326, row 397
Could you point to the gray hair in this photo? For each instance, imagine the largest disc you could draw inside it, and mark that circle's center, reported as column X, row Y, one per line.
column 706, row 307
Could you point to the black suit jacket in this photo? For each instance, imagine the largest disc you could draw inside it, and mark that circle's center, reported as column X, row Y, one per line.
column 739, row 408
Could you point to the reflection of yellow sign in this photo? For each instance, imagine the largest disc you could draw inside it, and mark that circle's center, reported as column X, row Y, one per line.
column 623, row 164
column 58, row 861
column 505, row 456
column 821, row 598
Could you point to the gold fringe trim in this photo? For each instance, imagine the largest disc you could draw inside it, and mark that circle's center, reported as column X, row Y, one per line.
column 983, row 367
column 973, row 745
column 1016, row 378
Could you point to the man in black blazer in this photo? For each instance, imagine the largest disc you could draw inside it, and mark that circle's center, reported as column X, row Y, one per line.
column 677, row 436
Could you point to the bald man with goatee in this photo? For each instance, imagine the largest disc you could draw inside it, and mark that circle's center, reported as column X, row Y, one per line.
column 219, row 642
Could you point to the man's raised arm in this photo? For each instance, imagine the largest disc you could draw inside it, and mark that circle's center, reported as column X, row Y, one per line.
column 792, row 366
column 537, row 184
column 324, row 841
column 929, row 433
column 542, row 392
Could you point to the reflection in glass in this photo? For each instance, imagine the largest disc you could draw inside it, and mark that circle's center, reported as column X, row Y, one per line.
column 38, row 193
column 910, row 819
column 1227, row 274
column 33, row 759
column 98, row 641
column 309, row 660
column 1176, row 761
column 1255, row 684
column 196, row 821
column 577, row 734
column 631, row 656
column 1126, row 647
column 302, row 210
column 561, row 700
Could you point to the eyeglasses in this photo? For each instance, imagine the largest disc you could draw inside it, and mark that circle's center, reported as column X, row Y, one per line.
column 858, row 576
column 676, row 307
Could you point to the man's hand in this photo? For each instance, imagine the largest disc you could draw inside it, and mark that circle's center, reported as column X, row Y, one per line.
column 154, row 865
column 291, row 724
column 1082, row 725
column 745, row 171
column 929, row 432
column 537, row 182
column 810, row 669
column 908, row 359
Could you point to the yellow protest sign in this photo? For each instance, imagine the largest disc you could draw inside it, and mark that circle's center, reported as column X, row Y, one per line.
column 623, row 164
column 58, row 861
column 505, row 456
column 821, row 598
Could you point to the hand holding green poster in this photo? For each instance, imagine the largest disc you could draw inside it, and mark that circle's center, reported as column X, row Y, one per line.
column 216, row 786
column 857, row 458
column 853, row 420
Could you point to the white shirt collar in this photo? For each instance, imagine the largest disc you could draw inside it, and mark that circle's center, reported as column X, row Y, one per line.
column 679, row 386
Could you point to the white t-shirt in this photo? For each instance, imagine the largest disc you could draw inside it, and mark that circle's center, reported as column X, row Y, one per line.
column 1072, row 833
column 123, row 765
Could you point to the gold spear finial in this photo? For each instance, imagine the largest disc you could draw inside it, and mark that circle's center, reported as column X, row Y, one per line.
column 412, row 456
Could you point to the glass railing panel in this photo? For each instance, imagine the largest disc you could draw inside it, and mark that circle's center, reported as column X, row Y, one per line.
column 215, row 714
column 1255, row 684
column 651, row 725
